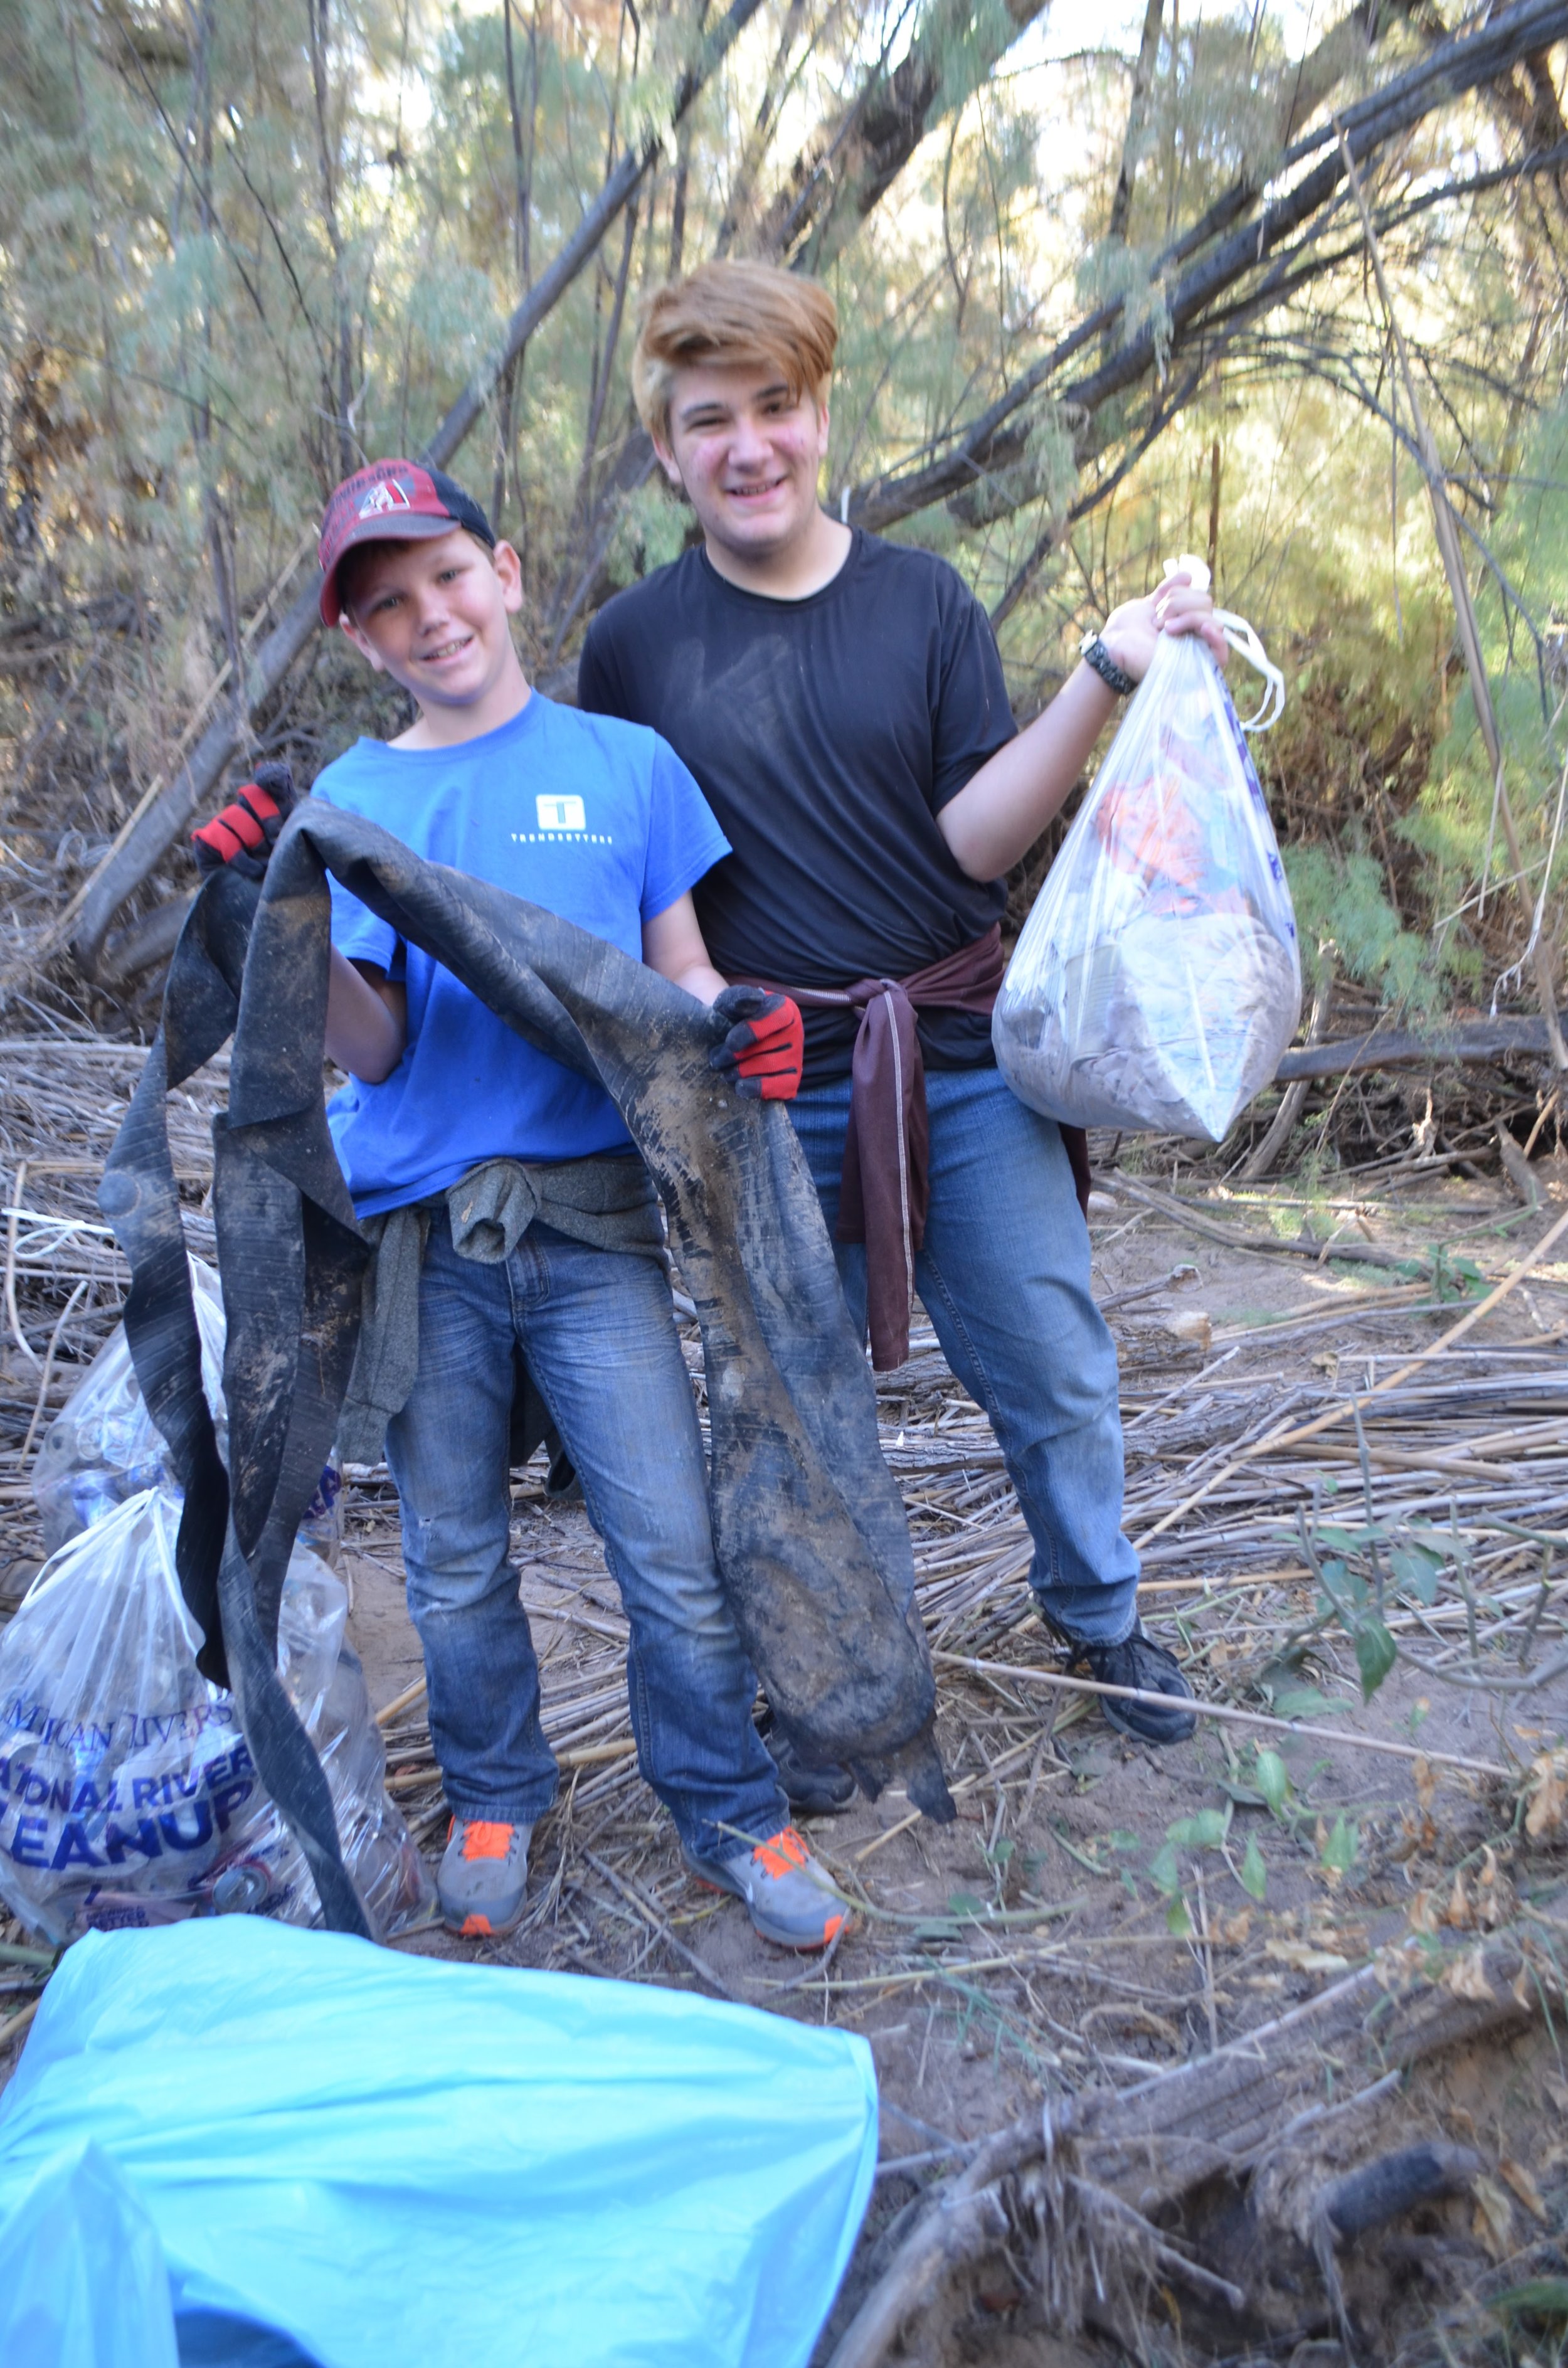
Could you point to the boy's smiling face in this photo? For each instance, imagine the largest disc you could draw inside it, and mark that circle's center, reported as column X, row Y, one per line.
column 433, row 615
column 748, row 452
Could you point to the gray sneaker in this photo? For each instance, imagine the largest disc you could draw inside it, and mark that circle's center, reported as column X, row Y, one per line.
column 791, row 1898
column 482, row 1881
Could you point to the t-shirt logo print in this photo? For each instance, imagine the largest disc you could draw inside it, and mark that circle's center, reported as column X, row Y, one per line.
column 387, row 497
column 560, row 814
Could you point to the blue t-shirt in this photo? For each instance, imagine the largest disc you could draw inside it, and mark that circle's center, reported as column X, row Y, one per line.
column 596, row 820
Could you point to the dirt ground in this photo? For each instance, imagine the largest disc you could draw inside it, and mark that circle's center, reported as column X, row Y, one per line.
column 1060, row 1936
column 1085, row 1983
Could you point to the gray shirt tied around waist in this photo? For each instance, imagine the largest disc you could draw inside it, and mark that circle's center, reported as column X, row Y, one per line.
column 609, row 1203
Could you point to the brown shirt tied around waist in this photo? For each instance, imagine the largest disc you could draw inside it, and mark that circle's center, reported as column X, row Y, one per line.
column 885, row 1190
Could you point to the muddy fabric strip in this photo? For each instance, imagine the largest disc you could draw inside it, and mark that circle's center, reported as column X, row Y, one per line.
column 810, row 1534
column 290, row 1258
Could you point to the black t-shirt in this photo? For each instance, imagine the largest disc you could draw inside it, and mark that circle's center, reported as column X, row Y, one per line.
column 827, row 735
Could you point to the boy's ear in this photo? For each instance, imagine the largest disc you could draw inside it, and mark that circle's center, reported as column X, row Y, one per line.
column 361, row 641
column 509, row 568
column 667, row 462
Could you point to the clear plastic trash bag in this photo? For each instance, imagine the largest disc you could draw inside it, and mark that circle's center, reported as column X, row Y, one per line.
column 104, row 1446
column 128, row 1795
column 1157, row 981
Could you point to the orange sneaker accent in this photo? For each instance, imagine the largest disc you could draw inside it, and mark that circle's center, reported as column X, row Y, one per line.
column 781, row 1852
column 475, row 1927
column 484, row 1839
column 832, row 1928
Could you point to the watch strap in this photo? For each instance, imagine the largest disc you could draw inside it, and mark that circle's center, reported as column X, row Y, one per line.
column 1094, row 653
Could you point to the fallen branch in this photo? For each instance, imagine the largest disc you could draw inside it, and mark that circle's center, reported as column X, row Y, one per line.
column 1356, row 1252
column 1395, row 1048
column 1147, row 2149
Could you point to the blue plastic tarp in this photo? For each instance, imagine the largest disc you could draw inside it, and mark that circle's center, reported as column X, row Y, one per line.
column 395, row 2159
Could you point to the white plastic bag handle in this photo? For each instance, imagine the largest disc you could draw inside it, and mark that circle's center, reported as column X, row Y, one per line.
column 1245, row 642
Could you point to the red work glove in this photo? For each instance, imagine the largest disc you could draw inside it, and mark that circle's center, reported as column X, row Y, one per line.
column 765, row 1044
column 245, row 833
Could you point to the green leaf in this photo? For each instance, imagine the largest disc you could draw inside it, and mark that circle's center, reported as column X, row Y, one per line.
column 1537, row 2298
column 1207, row 1830
column 1375, row 1654
column 1164, row 1872
column 1177, row 1920
column 1305, row 1701
column 1273, row 1781
column 1418, row 1568
column 1002, row 1851
column 1255, row 1873
column 1339, row 1853
column 964, row 1903
column 1093, row 1856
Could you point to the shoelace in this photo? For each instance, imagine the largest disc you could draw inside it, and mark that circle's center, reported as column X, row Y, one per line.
column 782, row 1853
column 485, row 1839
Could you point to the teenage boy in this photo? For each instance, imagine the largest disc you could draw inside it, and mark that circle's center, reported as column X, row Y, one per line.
column 599, row 821
column 841, row 701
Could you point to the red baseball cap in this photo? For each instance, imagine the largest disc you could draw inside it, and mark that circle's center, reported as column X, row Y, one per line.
column 391, row 501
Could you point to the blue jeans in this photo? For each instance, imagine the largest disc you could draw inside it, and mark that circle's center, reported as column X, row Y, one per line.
column 1004, row 1278
column 596, row 1329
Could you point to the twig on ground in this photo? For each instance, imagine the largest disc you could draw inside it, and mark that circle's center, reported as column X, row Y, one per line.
column 1226, row 1711
column 636, row 1896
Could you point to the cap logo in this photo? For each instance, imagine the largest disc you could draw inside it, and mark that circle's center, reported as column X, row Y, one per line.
column 380, row 499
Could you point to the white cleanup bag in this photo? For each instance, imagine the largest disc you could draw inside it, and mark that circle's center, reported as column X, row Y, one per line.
column 104, row 1446
column 1157, row 981
column 128, row 1795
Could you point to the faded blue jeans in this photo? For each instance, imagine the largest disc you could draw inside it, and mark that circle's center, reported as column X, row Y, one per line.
column 597, row 1331
column 1004, row 1278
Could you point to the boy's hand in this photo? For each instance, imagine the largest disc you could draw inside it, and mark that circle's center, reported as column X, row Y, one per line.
column 1131, row 633
column 245, row 833
column 765, row 1048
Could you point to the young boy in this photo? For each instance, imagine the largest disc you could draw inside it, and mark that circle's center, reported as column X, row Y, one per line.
column 841, row 701
column 599, row 821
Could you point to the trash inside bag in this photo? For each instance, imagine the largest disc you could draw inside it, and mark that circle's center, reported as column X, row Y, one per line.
column 128, row 1795
column 1157, row 981
column 395, row 2160
column 104, row 1446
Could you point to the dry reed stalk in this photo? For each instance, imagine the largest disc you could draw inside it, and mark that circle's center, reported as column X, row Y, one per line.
column 1343, row 1414
column 1228, row 1713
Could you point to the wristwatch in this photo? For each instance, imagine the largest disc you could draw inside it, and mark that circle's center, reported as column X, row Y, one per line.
column 1094, row 653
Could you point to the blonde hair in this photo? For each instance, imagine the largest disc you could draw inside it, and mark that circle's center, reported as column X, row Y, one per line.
column 732, row 312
